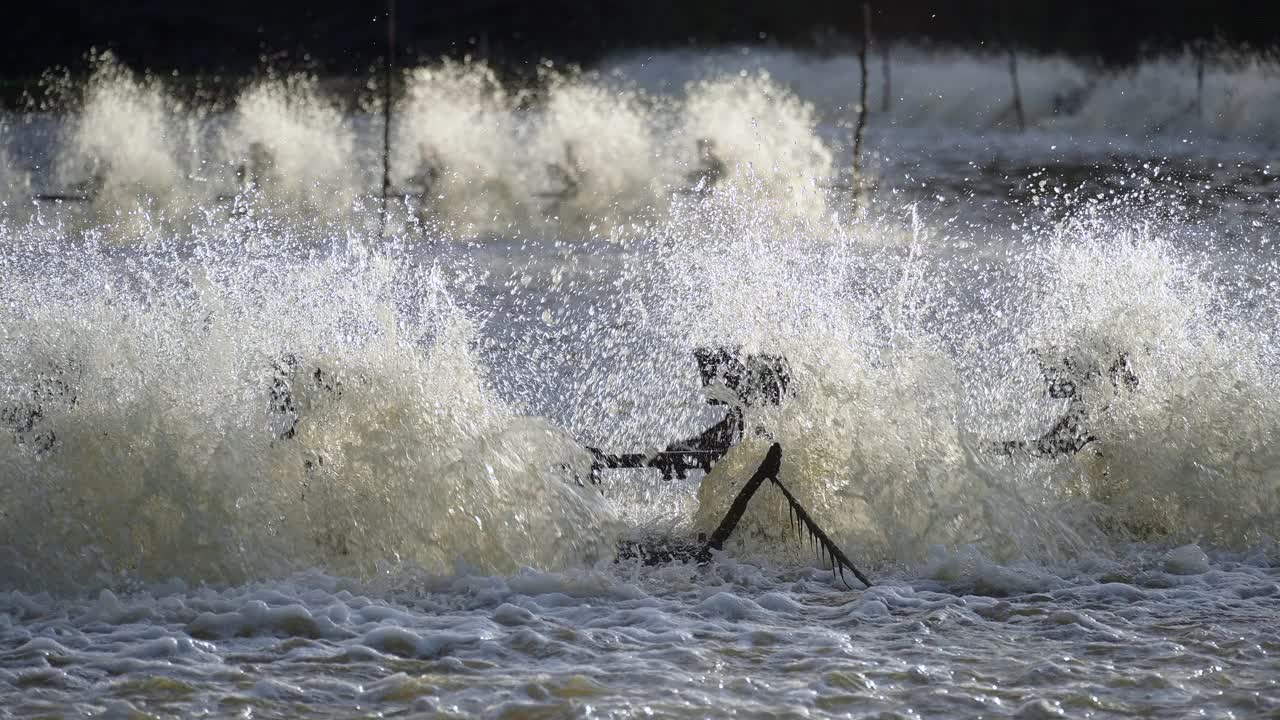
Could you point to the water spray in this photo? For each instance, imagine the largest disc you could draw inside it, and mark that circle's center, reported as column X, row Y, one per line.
column 389, row 67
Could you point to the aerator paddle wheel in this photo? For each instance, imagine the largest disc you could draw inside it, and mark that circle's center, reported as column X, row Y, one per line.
column 739, row 382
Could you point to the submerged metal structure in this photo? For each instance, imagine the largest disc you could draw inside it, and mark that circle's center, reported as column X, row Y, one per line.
column 800, row 518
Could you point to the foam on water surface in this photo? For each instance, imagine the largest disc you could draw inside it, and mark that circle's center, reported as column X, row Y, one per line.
column 1130, row 639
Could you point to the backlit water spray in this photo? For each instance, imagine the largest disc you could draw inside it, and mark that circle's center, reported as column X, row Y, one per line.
column 256, row 459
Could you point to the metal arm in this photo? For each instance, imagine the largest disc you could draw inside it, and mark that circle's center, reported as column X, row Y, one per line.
column 769, row 470
column 700, row 452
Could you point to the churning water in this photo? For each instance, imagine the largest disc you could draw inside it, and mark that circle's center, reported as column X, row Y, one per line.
column 259, row 457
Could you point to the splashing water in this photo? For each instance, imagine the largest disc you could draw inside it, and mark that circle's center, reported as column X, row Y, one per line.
column 14, row 183
column 611, row 141
column 457, row 123
column 122, row 149
column 764, row 133
column 236, row 422
column 216, row 432
column 755, row 259
column 1193, row 453
column 877, row 441
column 294, row 148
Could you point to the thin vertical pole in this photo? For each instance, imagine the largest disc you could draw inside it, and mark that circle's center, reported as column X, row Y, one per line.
column 1200, row 81
column 1017, row 90
column 887, row 100
column 389, row 67
column 862, row 103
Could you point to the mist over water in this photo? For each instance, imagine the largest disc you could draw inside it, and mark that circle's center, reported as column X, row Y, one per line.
column 238, row 417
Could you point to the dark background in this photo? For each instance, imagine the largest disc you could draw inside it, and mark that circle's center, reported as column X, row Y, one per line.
column 342, row 37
